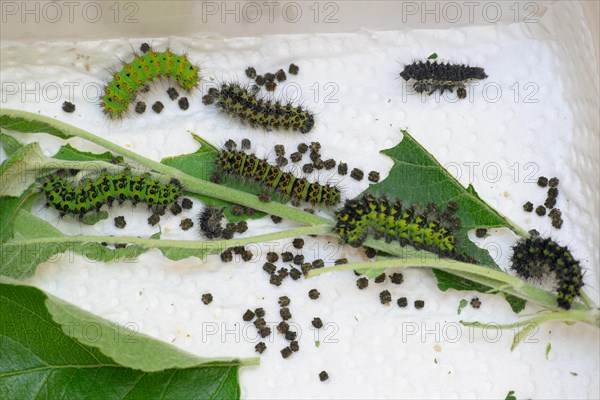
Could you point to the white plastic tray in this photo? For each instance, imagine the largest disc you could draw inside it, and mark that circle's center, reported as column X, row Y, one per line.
column 544, row 123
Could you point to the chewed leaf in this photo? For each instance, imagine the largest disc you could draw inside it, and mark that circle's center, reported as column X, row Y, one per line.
column 69, row 153
column 18, row 172
column 414, row 169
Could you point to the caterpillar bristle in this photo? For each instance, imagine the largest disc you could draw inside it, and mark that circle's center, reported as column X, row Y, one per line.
column 536, row 258
column 421, row 228
column 249, row 168
column 89, row 195
column 134, row 76
column 238, row 102
column 210, row 222
column 431, row 76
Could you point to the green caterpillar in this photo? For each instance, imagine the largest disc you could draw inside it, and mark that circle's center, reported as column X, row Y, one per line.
column 424, row 229
column 250, row 168
column 136, row 75
column 239, row 103
column 89, row 195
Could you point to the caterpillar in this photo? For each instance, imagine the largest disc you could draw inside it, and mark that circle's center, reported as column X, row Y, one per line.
column 536, row 258
column 423, row 228
column 89, row 195
column 136, row 75
column 210, row 222
column 431, row 76
column 250, row 168
column 238, row 102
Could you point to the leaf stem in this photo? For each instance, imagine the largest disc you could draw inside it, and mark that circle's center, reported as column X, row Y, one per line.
column 190, row 183
column 589, row 317
column 483, row 275
column 210, row 247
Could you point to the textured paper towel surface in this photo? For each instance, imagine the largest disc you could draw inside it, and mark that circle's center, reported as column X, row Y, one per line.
column 523, row 122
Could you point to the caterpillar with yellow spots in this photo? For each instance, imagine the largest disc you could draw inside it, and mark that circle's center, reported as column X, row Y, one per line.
column 249, row 168
column 145, row 68
column 422, row 228
column 90, row 194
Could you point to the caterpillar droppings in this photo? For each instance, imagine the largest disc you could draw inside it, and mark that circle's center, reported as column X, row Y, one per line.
column 237, row 102
column 536, row 258
column 250, row 168
column 422, row 228
column 431, row 76
column 89, row 195
column 145, row 68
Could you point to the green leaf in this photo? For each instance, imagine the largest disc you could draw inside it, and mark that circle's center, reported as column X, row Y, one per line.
column 574, row 373
column 9, row 144
column 463, row 303
column 53, row 349
column 8, row 211
column 18, row 172
column 69, row 153
column 10, row 120
column 417, row 177
column 92, row 218
column 548, row 348
column 516, row 303
column 317, row 343
column 448, row 281
column 511, row 395
column 433, row 56
column 201, row 164
column 35, row 241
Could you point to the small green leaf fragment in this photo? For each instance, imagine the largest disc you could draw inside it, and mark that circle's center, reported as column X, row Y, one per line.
column 573, row 373
column 317, row 343
column 511, row 395
column 92, row 218
column 69, row 153
column 548, row 348
column 17, row 173
column 463, row 303
column 9, row 144
column 433, row 56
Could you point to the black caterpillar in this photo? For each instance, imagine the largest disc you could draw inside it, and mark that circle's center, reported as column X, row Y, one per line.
column 89, row 195
column 210, row 219
column 536, row 258
column 250, row 168
column 239, row 103
column 423, row 228
column 431, row 76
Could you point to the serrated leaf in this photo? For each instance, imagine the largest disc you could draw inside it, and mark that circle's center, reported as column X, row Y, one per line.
column 35, row 241
column 40, row 359
column 12, row 120
column 417, row 177
column 8, row 211
column 9, row 144
column 18, row 172
column 70, row 153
